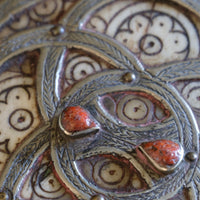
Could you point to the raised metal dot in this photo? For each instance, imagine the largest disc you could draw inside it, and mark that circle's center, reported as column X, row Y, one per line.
column 4, row 196
column 128, row 77
column 191, row 156
column 97, row 197
column 57, row 30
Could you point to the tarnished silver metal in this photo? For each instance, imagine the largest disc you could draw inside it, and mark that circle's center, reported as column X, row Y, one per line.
column 134, row 70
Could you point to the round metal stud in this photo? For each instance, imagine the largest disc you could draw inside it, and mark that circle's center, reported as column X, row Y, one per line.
column 191, row 156
column 2, row 195
column 57, row 30
column 128, row 77
column 5, row 196
column 97, row 197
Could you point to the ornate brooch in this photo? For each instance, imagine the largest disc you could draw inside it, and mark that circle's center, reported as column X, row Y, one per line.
column 99, row 100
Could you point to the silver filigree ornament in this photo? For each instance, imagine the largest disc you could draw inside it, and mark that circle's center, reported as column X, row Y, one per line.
column 111, row 137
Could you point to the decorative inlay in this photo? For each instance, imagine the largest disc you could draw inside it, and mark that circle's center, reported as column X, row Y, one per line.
column 75, row 119
column 154, row 31
column 42, row 182
column 18, row 111
column 164, row 155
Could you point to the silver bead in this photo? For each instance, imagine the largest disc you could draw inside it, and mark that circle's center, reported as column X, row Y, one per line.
column 128, row 77
column 57, row 30
column 5, row 196
column 191, row 156
column 97, row 197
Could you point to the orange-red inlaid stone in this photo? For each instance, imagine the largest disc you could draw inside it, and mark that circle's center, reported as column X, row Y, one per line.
column 75, row 119
column 164, row 152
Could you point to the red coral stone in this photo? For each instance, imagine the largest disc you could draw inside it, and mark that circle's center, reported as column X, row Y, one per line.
column 163, row 152
column 75, row 119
